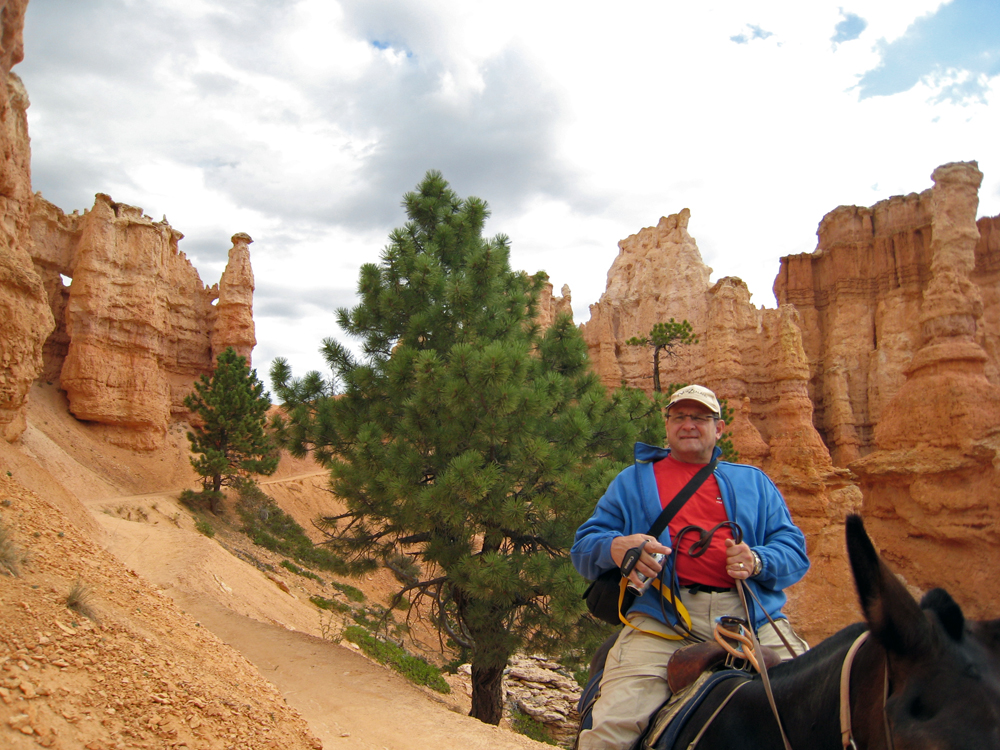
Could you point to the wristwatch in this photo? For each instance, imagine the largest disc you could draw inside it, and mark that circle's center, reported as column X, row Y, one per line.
column 758, row 564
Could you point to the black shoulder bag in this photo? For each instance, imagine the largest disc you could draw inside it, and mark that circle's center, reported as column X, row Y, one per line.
column 603, row 594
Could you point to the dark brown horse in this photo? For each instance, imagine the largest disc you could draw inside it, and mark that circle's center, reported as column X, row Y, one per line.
column 925, row 679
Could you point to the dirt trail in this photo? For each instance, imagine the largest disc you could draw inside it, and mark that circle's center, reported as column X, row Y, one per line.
column 261, row 610
column 347, row 700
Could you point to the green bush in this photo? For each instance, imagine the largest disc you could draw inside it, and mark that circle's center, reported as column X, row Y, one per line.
column 411, row 667
column 354, row 594
column 524, row 724
column 205, row 499
column 268, row 526
column 331, row 605
column 299, row 571
column 200, row 524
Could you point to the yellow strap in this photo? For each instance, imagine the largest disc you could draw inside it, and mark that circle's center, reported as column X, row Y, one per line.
column 681, row 610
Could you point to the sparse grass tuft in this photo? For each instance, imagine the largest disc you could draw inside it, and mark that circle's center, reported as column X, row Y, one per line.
column 204, row 527
column 330, row 627
column 131, row 512
column 411, row 667
column 78, row 600
column 330, row 604
column 11, row 556
column 352, row 593
column 299, row 571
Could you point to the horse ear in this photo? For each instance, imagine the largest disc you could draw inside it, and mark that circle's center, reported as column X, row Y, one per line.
column 948, row 612
column 893, row 616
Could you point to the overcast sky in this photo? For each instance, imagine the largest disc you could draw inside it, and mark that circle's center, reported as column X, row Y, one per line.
column 303, row 122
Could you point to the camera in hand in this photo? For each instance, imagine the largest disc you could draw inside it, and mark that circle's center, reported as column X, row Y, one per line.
column 644, row 580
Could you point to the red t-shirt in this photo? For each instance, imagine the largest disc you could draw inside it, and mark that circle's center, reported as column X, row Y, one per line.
column 704, row 509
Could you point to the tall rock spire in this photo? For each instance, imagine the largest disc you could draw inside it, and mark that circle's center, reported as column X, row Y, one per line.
column 233, row 324
column 930, row 487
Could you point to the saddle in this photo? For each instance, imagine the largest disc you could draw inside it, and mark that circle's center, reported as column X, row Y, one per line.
column 688, row 663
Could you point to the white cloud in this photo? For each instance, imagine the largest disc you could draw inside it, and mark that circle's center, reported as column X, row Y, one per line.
column 302, row 124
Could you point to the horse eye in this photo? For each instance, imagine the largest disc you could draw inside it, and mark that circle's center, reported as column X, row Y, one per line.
column 920, row 710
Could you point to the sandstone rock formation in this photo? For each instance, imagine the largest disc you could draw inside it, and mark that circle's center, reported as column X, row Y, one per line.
column 549, row 306
column 932, row 481
column 860, row 295
column 136, row 326
column 234, row 311
column 754, row 358
column 25, row 318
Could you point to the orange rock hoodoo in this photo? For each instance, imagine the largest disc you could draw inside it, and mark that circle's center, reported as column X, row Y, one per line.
column 873, row 386
column 750, row 356
column 25, row 318
column 136, row 326
column 860, row 295
column 931, row 483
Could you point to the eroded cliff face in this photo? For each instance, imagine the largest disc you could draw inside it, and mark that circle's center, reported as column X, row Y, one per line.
column 861, row 296
column 136, row 325
column 930, row 484
column 25, row 318
column 754, row 358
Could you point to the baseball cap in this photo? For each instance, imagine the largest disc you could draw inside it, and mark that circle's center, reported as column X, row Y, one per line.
column 698, row 393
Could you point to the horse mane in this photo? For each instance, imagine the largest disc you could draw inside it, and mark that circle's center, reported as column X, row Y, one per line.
column 820, row 655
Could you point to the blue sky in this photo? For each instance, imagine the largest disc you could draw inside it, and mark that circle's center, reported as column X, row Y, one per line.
column 302, row 123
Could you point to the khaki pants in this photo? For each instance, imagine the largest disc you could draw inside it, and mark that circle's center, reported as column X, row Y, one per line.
column 634, row 684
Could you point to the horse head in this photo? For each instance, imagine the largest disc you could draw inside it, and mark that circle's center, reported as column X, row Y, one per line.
column 943, row 690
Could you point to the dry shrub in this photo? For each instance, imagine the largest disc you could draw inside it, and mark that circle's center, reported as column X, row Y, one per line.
column 79, row 600
column 11, row 556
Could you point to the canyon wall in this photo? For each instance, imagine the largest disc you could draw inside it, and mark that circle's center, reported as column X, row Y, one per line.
column 932, row 479
column 25, row 317
column 860, row 295
column 873, row 387
column 755, row 359
column 135, row 326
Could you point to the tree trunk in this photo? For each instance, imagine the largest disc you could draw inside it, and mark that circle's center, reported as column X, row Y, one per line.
column 487, row 693
column 656, row 370
column 217, row 494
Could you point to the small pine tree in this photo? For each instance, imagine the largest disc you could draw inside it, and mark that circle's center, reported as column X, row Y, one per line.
column 228, row 436
column 663, row 338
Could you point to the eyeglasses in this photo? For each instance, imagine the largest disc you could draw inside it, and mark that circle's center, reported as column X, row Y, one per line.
column 696, row 418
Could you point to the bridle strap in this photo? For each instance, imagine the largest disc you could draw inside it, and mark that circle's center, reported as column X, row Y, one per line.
column 845, row 693
column 847, row 740
column 763, row 667
column 885, row 699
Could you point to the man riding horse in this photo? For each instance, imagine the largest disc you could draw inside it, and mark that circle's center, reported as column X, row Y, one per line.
column 735, row 525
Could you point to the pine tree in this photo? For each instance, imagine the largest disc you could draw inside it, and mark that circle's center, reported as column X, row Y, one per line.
column 664, row 337
column 228, row 435
column 465, row 437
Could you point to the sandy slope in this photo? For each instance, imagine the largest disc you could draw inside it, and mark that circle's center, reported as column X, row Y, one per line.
column 125, row 503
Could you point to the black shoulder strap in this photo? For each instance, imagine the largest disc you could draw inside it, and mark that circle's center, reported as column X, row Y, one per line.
column 681, row 497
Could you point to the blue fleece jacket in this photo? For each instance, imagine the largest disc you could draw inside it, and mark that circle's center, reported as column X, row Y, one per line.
column 632, row 503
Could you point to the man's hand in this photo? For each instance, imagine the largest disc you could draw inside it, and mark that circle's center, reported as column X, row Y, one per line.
column 646, row 564
column 739, row 559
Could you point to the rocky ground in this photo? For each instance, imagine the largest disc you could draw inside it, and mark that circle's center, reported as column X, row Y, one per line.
column 176, row 640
